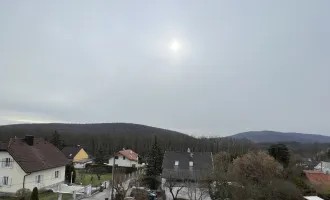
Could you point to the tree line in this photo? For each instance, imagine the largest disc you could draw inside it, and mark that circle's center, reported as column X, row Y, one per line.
column 116, row 136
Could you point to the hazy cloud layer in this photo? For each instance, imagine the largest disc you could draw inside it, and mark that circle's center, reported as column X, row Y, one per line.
column 243, row 65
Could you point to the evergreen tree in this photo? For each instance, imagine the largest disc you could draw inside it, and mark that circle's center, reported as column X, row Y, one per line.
column 100, row 157
column 35, row 195
column 70, row 170
column 154, row 165
column 281, row 153
column 55, row 140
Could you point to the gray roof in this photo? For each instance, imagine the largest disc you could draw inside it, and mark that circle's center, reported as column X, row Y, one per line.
column 71, row 152
column 324, row 165
column 202, row 164
column 3, row 146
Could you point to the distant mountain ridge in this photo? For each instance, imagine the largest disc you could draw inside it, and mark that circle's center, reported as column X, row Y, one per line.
column 273, row 136
column 112, row 137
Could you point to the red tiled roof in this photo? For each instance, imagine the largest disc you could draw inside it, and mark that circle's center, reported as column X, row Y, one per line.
column 40, row 156
column 131, row 155
column 317, row 177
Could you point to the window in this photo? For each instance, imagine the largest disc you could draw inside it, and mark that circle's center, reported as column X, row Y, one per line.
column 116, row 157
column 191, row 163
column 124, row 157
column 57, row 174
column 7, row 162
column 39, row 178
column 133, row 165
column 176, row 163
column 5, row 180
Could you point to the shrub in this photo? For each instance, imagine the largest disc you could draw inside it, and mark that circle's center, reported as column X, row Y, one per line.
column 35, row 195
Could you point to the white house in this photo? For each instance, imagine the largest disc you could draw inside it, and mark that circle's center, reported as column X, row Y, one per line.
column 81, row 164
column 125, row 158
column 28, row 163
column 323, row 166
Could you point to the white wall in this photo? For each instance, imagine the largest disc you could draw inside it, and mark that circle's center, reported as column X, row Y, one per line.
column 123, row 163
column 48, row 178
column 81, row 165
column 16, row 175
column 325, row 167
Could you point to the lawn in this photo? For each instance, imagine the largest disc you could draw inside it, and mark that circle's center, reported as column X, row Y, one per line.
column 88, row 178
column 44, row 196
column 51, row 196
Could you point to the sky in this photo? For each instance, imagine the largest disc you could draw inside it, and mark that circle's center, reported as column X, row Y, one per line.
column 236, row 65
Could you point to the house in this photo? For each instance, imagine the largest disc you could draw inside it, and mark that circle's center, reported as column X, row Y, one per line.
column 323, row 166
column 30, row 162
column 77, row 155
column 125, row 158
column 81, row 164
column 187, row 165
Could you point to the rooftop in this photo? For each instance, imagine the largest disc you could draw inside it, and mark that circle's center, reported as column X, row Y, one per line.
column 35, row 156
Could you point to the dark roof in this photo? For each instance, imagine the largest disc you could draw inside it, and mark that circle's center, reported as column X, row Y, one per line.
column 202, row 164
column 40, row 156
column 71, row 152
column 3, row 146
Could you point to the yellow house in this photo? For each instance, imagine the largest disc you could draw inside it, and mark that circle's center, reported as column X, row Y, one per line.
column 75, row 153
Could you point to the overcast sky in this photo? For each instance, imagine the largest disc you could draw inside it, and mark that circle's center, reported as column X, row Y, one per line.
column 240, row 65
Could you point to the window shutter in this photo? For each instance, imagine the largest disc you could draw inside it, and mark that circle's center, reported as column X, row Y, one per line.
column 42, row 179
column 11, row 163
column 1, row 180
column 36, row 179
column 10, row 180
column 3, row 162
column 59, row 174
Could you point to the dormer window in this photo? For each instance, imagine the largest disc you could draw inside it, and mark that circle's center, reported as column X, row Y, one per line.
column 191, row 163
column 176, row 163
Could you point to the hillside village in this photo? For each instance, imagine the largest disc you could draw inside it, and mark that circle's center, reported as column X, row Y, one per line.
column 32, row 165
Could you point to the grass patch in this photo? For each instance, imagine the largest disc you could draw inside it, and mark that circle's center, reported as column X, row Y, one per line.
column 54, row 196
column 88, row 178
column 43, row 196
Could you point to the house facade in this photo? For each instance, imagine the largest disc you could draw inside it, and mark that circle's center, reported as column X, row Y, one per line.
column 125, row 158
column 28, row 163
column 81, row 164
column 323, row 166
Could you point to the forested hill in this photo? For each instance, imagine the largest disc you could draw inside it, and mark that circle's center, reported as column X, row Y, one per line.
column 273, row 136
column 115, row 136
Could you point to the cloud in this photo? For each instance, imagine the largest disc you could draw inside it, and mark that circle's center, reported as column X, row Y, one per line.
column 248, row 66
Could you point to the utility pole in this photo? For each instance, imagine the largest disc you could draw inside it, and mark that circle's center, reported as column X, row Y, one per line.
column 71, row 177
column 113, row 177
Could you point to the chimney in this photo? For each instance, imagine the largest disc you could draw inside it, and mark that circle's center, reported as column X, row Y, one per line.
column 29, row 139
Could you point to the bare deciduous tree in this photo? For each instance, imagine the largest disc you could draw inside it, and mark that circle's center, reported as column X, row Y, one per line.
column 121, row 186
column 196, row 190
column 256, row 168
column 174, row 186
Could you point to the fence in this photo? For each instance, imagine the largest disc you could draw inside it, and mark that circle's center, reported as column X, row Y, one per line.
column 84, row 192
